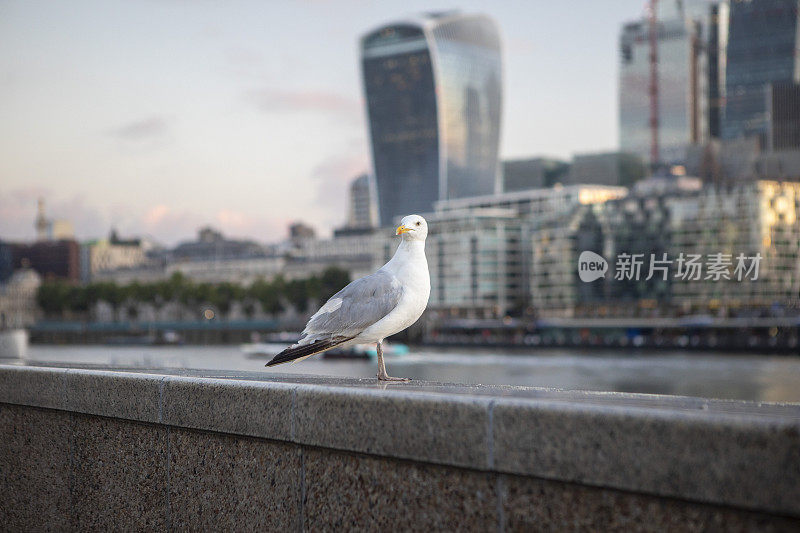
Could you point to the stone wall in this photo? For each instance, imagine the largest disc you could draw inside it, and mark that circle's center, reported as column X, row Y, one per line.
column 89, row 449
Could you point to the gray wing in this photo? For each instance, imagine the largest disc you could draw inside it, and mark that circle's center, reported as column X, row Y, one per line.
column 356, row 307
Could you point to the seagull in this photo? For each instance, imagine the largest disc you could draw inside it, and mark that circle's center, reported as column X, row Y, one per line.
column 374, row 307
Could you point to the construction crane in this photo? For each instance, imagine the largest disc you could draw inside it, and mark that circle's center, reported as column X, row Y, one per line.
column 653, row 24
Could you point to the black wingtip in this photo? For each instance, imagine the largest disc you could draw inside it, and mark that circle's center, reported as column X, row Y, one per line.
column 296, row 352
column 292, row 353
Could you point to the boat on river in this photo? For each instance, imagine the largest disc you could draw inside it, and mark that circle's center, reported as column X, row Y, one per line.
column 13, row 343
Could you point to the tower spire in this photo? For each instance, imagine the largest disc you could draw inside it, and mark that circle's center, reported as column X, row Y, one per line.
column 41, row 222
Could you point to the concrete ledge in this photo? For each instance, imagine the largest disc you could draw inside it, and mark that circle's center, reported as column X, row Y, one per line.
column 255, row 409
column 114, row 394
column 743, row 455
column 746, row 461
column 37, row 387
column 436, row 429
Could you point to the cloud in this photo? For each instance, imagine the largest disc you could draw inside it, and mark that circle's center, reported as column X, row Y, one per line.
column 260, row 227
column 170, row 225
column 236, row 219
column 278, row 101
column 140, row 130
column 156, row 215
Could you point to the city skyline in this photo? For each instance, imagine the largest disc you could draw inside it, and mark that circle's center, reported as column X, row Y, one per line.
column 163, row 117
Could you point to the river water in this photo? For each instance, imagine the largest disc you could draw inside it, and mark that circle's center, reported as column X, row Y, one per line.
column 702, row 374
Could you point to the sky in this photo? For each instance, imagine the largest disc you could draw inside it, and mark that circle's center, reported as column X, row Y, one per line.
column 160, row 116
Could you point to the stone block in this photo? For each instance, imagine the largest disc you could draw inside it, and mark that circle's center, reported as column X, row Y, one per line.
column 348, row 492
column 226, row 483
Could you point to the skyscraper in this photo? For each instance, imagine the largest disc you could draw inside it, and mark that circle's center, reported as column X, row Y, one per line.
column 717, row 44
column 361, row 206
column 783, row 105
column 433, row 95
column 763, row 41
column 682, row 92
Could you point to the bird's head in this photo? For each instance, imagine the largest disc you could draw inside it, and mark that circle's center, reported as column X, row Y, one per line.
column 413, row 228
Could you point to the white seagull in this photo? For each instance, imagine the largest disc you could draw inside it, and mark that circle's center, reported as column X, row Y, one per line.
column 374, row 307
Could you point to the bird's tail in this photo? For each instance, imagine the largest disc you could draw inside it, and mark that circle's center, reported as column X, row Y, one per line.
column 301, row 351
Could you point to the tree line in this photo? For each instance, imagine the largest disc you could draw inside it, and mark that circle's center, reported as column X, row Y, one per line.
column 58, row 298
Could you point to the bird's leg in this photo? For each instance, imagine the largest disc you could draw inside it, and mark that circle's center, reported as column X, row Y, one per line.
column 382, row 375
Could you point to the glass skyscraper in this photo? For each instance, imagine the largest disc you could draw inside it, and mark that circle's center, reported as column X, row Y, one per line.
column 433, row 94
column 762, row 50
column 682, row 91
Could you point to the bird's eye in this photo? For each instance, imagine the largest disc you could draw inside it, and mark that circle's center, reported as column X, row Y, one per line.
column 418, row 223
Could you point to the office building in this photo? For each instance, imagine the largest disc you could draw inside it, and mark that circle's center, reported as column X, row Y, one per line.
column 667, row 219
column 361, row 209
column 783, row 107
column 475, row 263
column 638, row 224
column 761, row 50
column 433, row 92
column 534, row 173
column 50, row 259
column 756, row 218
column 212, row 245
column 717, row 44
column 6, row 261
column 300, row 232
column 606, row 168
column 782, row 165
column 743, row 160
column 111, row 254
column 360, row 254
column 538, row 204
column 682, row 85
column 553, row 279
column 479, row 249
column 556, row 242
column 243, row 271
column 18, row 306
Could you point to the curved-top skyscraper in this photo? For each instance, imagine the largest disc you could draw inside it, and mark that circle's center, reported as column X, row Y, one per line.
column 433, row 92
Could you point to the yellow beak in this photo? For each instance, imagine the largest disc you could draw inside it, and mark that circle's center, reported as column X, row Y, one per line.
column 402, row 229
